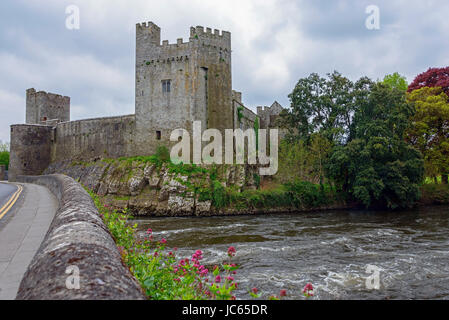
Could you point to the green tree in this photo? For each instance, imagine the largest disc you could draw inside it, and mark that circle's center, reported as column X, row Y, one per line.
column 4, row 154
column 293, row 162
column 429, row 131
column 299, row 161
column 319, row 151
column 325, row 106
column 376, row 166
column 396, row 81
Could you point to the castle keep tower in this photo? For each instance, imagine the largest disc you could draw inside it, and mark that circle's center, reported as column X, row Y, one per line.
column 179, row 83
column 42, row 107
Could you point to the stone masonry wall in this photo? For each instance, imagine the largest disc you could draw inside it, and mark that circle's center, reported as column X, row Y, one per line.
column 200, row 83
column 248, row 117
column 111, row 137
column 42, row 106
column 30, row 149
column 77, row 237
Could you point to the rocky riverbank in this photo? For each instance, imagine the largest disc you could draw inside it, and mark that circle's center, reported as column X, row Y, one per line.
column 150, row 189
column 148, row 186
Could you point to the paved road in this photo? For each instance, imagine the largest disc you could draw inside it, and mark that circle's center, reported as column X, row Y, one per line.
column 6, row 191
column 22, row 230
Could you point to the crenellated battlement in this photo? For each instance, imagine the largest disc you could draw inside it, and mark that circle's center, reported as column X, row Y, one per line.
column 199, row 31
column 149, row 45
column 150, row 50
column 52, row 96
column 215, row 38
column 148, row 25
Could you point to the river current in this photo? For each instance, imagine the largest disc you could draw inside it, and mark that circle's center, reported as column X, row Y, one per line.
column 344, row 254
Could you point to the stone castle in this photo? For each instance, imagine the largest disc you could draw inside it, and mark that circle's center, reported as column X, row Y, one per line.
column 176, row 84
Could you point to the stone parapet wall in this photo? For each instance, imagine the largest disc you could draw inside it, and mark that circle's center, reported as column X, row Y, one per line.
column 76, row 238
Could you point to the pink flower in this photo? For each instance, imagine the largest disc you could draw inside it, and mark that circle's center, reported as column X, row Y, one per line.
column 283, row 293
column 230, row 279
column 231, row 251
column 163, row 241
column 308, row 287
column 308, row 290
column 217, row 279
column 254, row 290
column 149, row 231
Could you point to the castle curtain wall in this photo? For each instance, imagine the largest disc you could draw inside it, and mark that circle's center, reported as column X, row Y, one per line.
column 111, row 137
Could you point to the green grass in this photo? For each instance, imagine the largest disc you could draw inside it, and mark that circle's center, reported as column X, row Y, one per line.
column 429, row 180
column 434, row 194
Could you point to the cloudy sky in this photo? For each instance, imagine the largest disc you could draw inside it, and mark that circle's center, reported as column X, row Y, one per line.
column 275, row 42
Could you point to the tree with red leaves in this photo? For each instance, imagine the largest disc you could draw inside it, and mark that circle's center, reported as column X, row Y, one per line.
column 435, row 109
column 434, row 77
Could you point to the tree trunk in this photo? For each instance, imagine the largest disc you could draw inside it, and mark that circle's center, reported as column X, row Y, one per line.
column 445, row 178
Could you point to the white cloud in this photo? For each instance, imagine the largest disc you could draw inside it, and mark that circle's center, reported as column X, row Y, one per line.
column 275, row 42
column 12, row 110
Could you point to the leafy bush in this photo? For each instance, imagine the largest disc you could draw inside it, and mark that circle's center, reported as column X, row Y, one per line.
column 298, row 194
column 163, row 153
column 435, row 194
column 4, row 154
column 306, row 194
column 220, row 197
column 162, row 275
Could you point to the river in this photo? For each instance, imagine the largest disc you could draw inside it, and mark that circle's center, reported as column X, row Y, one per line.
column 408, row 250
